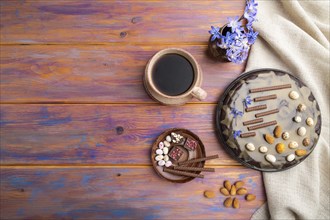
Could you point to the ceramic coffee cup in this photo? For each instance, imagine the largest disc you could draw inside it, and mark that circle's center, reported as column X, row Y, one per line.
column 193, row 91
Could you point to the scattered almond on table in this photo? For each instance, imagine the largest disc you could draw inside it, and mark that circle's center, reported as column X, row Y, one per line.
column 224, row 191
column 239, row 184
column 228, row 202
column 233, row 190
column 227, row 185
column 235, row 203
column 250, row 197
column 241, row 191
column 229, row 190
column 209, row 194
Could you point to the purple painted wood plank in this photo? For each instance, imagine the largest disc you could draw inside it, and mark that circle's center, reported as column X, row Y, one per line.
column 98, row 134
column 117, row 193
column 94, row 74
column 86, row 21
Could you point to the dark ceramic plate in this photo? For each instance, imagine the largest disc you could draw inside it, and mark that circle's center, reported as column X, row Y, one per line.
column 187, row 155
column 233, row 99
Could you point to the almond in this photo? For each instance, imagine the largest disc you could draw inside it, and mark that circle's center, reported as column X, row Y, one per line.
column 277, row 131
column 269, row 139
column 233, row 190
column 280, row 148
column 224, row 191
column 209, row 194
column 241, row 191
column 228, row 202
column 300, row 153
column 227, row 185
column 250, row 197
column 239, row 184
column 235, row 203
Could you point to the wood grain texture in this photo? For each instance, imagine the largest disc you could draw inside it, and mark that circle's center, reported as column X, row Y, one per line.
column 63, row 158
column 164, row 22
column 94, row 74
column 98, row 134
column 100, row 193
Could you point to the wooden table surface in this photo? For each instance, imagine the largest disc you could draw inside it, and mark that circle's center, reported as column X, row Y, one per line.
column 77, row 125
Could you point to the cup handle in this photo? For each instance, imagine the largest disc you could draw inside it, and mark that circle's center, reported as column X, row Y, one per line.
column 199, row 93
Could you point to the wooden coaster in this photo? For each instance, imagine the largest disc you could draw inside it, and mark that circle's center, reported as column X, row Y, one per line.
column 187, row 155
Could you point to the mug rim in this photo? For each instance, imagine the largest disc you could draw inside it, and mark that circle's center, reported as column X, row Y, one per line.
column 178, row 51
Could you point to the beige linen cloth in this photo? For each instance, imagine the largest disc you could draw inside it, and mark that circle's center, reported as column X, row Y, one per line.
column 294, row 36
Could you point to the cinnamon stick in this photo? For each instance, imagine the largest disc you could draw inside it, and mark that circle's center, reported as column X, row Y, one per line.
column 182, row 173
column 269, row 88
column 263, row 98
column 254, row 108
column 248, row 134
column 253, row 121
column 263, row 125
column 199, row 159
column 261, row 114
column 194, row 169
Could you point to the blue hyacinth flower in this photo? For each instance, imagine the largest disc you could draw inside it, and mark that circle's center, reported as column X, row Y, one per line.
column 215, row 33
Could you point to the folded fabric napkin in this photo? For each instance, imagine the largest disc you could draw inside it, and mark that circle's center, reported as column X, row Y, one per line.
column 294, row 36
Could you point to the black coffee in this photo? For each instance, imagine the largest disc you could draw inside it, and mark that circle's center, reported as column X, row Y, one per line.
column 173, row 74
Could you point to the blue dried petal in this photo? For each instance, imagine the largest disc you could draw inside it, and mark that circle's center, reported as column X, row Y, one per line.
column 247, row 101
column 236, row 112
column 237, row 133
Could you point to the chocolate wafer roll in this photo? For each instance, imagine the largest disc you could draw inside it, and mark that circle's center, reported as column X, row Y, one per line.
column 255, row 108
column 248, row 134
column 194, row 169
column 261, row 114
column 253, row 121
column 263, row 98
column 270, row 88
column 199, row 159
column 263, row 125
column 182, row 173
